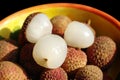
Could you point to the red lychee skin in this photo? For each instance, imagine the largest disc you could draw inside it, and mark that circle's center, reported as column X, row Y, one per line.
column 102, row 52
column 54, row 74
column 8, row 50
column 22, row 35
column 75, row 59
column 27, row 61
column 11, row 71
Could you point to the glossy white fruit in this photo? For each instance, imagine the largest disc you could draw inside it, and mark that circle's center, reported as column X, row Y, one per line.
column 78, row 35
column 39, row 26
column 50, row 51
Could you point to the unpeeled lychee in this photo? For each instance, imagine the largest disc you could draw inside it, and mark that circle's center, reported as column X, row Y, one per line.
column 54, row 74
column 8, row 50
column 89, row 72
column 60, row 23
column 11, row 71
column 75, row 59
column 27, row 61
column 102, row 52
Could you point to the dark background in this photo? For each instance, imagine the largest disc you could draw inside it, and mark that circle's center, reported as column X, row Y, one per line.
column 8, row 7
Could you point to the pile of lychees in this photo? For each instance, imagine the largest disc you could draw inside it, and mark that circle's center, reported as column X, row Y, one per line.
column 56, row 49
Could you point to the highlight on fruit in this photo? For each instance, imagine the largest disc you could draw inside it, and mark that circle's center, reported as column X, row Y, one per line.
column 57, row 48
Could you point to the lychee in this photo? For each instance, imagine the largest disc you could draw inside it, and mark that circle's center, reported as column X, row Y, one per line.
column 35, row 26
column 102, row 52
column 75, row 59
column 22, row 35
column 8, row 50
column 60, row 23
column 89, row 72
column 54, row 74
column 79, row 35
column 50, row 51
column 11, row 71
column 27, row 61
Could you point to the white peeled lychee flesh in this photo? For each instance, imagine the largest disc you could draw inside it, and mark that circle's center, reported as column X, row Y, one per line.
column 39, row 26
column 50, row 51
column 78, row 35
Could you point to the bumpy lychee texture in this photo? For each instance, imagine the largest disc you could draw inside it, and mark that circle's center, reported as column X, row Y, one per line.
column 60, row 23
column 11, row 71
column 75, row 59
column 27, row 61
column 52, row 49
column 102, row 52
column 54, row 74
column 89, row 72
column 22, row 35
column 8, row 50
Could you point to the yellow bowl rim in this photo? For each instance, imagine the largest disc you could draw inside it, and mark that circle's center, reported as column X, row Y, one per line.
column 70, row 5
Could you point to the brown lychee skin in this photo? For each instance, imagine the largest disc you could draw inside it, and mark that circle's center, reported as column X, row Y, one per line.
column 75, row 59
column 54, row 74
column 102, row 52
column 27, row 61
column 22, row 35
column 89, row 72
column 11, row 71
column 8, row 50
column 60, row 23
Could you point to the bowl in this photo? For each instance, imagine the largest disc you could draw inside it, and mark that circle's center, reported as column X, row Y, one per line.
column 103, row 23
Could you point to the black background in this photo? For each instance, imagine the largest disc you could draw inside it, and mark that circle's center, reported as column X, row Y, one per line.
column 8, row 7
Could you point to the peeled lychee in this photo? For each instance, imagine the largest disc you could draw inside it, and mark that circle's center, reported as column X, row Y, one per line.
column 75, row 59
column 50, row 51
column 35, row 26
column 89, row 72
column 102, row 52
column 8, row 50
column 11, row 71
column 79, row 35
column 60, row 23
column 22, row 35
column 27, row 61
column 54, row 74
